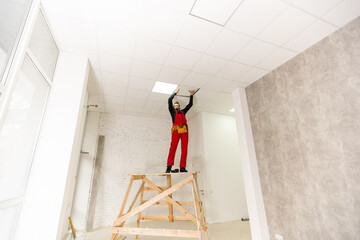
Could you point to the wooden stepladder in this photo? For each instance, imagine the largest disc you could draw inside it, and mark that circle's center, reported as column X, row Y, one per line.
column 163, row 193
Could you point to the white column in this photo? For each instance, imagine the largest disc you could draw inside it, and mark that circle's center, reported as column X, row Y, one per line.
column 85, row 172
column 56, row 149
column 258, row 222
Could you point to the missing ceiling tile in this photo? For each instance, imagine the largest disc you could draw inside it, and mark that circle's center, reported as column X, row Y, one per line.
column 215, row 11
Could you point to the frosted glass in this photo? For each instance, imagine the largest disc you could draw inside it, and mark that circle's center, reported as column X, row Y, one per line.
column 8, row 217
column 19, row 132
column 43, row 46
column 13, row 14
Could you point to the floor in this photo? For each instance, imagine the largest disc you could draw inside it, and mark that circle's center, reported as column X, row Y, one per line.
column 235, row 230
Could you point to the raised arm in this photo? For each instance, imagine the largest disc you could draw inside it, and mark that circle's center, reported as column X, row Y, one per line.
column 187, row 108
column 170, row 103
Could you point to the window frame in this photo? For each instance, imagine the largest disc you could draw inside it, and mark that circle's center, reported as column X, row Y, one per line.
column 8, row 87
column 14, row 51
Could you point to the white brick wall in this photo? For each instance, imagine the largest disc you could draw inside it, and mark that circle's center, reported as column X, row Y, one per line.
column 132, row 145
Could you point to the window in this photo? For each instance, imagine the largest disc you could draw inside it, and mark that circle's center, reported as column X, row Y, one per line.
column 12, row 19
column 43, row 47
column 21, row 118
column 19, row 131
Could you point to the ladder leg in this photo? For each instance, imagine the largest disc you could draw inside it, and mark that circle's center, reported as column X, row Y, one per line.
column 195, row 206
column 171, row 208
column 140, row 202
column 201, row 206
column 113, row 236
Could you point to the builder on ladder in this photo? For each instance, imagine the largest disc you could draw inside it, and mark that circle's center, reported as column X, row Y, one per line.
column 178, row 131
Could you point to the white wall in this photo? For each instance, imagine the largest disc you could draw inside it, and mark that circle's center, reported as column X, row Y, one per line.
column 43, row 208
column 85, row 172
column 73, row 167
column 220, row 166
column 132, row 145
column 258, row 222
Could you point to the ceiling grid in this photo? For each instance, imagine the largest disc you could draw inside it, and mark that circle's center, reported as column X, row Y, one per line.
column 133, row 43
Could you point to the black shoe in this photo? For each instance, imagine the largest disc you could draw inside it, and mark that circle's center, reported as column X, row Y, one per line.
column 175, row 171
column 168, row 169
column 182, row 169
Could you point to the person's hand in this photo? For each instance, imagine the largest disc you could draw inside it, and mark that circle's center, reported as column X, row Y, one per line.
column 191, row 92
column 177, row 90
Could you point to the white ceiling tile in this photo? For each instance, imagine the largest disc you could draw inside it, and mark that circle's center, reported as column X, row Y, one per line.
column 153, row 106
column 116, row 43
column 206, row 94
column 286, row 25
column 225, row 98
column 318, row 30
column 209, row 65
column 254, row 52
column 137, row 94
column 111, row 90
column 182, row 58
column 233, row 70
column 158, row 97
column 124, row 15
column 151, row 51
column 235, row 85
column 141, row 84
column 171, row 75
column 253, row 16
column 217, row 11
column 182, row 6
column 83, row 33
column 115, row 64
column 227, row 44
column 196, row 80
column 277, row 58
column 253, row 75
column 118, row 80
column 93, row 55
column 145, row 70
column 343, row 13
column 77, row 9
column 318, row 7
column 217, row 84
column 197, row 34
column 162, row 25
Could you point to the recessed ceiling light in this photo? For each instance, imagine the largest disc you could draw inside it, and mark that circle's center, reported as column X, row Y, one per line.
column 163, row 87
column 232, row 110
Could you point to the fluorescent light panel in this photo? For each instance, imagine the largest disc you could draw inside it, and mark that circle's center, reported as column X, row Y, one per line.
column 216, row 11
column 232, row 110
column 163, row 87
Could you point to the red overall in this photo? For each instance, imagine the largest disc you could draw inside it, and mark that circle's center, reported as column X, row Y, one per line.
column 179, row 120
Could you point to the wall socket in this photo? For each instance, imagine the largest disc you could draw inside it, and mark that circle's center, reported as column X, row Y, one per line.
column 278, row 237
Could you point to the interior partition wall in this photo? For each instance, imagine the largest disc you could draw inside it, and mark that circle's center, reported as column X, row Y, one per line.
column 23, row 101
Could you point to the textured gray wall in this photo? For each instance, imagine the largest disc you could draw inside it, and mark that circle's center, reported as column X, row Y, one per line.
column 305, row 119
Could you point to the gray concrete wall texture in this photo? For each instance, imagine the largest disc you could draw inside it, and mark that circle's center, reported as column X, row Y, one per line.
column 305, row 118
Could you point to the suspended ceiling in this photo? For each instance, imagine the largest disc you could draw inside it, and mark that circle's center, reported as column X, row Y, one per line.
column 133, row 43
